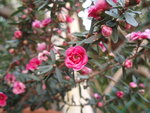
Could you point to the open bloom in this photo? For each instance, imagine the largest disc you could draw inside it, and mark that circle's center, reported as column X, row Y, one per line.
column 120, row 94
column 18, row 34
column 43, row 55
column 128, row 63
column 3, row 99
column 10, row 78
column 86, row 70
column 33, row 64
column 76, row 58
column 41, row 46
column 133, row 84
column 19, row 87
column 37, row 24
column 106, row 31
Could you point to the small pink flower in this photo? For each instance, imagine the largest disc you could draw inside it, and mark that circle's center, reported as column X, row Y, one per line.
column 76, row 58
column 96, row 96
column 137, row 36
column 61, row 17
column 10, row 78
column 101, row 45
column 100, row 104
column 106, row 31
column 37, row 24
column 133, row 84
column 141, row 85
column 18, row 34
column 120, row 94
column 69, row 19
column 86, row 70
column 41, row 46
column 3, row 99
column 147, row 33
column 43, row 55
column 128, row 63
column 18, row 87
column 33, row 64
column 45, row 22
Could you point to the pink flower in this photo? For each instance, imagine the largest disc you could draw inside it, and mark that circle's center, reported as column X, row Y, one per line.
column 141, row 85
column 101, row 45
column 147, row 33
column 85, row 70
column 96, row 96
column 99, row 7
column 3, row 99
column 69, row 19
column 45, row 22
column 120, row 94
column 43, row 55
column 33, row 64
column 106, row 31
column 18, row 88
column 18, row 34
column 138, row 1
column 128, row 63
column 100, row 104
column 37, row 24
column 41, row 46
column 10, row 78
column 133, row 84
column 137, row 36
column 76, row 58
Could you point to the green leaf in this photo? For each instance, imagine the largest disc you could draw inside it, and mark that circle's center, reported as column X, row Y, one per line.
column 110, row 2
column 115, row 35
column 59, row 74
column 52, row 54
column 130, row 19
column 113, row 13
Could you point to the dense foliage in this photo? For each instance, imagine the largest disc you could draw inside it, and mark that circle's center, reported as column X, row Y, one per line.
column 41, row 60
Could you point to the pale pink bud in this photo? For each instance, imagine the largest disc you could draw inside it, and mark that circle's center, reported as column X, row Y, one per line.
column 141, row 85
column 120, row 94
column 100, row 104
column 67, row 78
column 24, row 16
column 41, row 46
column 96, row 96
column 37, row 24
column 133, row 84
column 69, row 19
column 18, row 34
column 86, row 70
column 142, row 91
column 106, row 31
column 45, row 22
column 101, row 45
column 128, row 63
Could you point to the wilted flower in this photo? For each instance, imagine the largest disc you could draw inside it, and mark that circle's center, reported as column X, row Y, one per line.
column 101, row 45
column 41, row 46
column 86, row 70
column 43, row 55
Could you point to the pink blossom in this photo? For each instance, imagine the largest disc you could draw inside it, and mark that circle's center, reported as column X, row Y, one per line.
column 33, row 64
column 100, row 104
column 96, row 96
column 106, row 31
column 18, row 87
column 147, row 33
column 37, row 24
column 43, row 55
column 133, row 84
column 76, row 58
column 45, row 22
column 141, row 85
column 69, row 19
column 101, row 45
column 120, row 94
column 137, row 36
column 3, row 99
column 41, row 46
column 85, row 70
column 128, row 63
column 10, row 78
column 18, row 34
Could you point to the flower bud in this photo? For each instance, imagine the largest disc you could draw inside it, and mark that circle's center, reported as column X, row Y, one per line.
column 120, row 94
column 11, row 51
column 37, row 24
column 128, row 63
column 106, row 31
column 45, row 22
column 100, row 104
column 18, row 34
column 96, row 96
column 141, row 85
column 67, row 78
column 133, row 84
column 86, row 70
